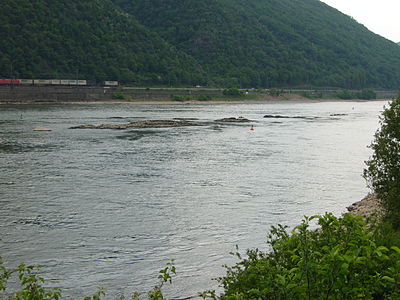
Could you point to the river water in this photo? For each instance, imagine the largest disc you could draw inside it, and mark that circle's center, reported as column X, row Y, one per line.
column 110, row 207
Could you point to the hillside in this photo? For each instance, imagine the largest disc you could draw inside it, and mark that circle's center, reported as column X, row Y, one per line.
column 224, row 43
column 94, row 40
column 252, row 43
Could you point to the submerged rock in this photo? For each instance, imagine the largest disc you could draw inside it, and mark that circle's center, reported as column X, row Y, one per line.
column 234, row 120
column 186, row 119
column 289, row 117
column 276, row 117
column 140, row 124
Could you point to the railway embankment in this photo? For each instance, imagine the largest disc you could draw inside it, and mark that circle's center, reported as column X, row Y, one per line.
column 32, row 94
column 56, row 94
column 62, row 94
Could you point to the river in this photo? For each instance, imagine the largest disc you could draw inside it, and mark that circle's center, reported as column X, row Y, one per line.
column 110, row 207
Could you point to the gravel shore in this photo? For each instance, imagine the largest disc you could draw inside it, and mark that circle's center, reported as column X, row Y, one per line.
column 366, row 207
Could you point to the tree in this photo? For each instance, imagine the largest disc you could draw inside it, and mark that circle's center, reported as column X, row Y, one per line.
column 343, row 259
column 383, row 168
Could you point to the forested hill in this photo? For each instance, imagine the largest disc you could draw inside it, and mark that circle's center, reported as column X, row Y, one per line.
column 226, row 43
column 273, row 42
column 92, row 40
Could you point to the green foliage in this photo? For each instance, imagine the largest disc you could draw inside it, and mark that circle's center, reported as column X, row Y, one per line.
column 253, row 43
column 275, row 92
column 341, row 260
column 31, row 285
column 204, row 97
column 383, row 168
column 94, row 40
column 345, row 258
column 312, row 95
column 97, row 295
column 232, row 92
column 345, row 95
column 235, row 43
column 165, row 276
column 30, row 282
column 364, row 95
column 4, row 276
column 180, row 98
column 119, row 96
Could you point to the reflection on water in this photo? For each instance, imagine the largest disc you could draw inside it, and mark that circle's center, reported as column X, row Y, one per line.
column 133, row 135
column 110, row 208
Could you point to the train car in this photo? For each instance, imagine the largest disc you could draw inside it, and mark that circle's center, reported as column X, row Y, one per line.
column 10, row 81
column 111, row 83
column 42, row 81
column 79, row 82
column 27, row 81
column 55, row 82
column 72, row 82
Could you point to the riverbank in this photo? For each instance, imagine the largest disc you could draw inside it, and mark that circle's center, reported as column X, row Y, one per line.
column 116, row 95
column 272, row 100
column 368, row 206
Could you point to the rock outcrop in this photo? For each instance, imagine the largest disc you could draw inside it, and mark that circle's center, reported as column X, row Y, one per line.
column 234, row 120
column 288, row 117
column 140, row 124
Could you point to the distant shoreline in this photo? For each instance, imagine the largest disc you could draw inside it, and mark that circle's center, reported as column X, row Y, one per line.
column 272, row 100
column 116, row 95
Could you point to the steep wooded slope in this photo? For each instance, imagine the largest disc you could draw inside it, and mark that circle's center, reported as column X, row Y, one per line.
column 94, row 40
column 243, row 43
column 273, row 42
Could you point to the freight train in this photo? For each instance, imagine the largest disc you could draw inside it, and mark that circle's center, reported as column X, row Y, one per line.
column 51, row 82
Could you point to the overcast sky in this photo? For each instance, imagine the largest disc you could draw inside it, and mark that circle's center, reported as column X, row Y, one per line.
column 379, row 16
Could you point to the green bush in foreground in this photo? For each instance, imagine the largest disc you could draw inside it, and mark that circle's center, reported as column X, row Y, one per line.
column 341, row 260
column 30, row 284
column 31, row 287
column 383, row 168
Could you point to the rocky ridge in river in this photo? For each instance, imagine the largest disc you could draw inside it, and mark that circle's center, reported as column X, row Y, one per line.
column 140, row 124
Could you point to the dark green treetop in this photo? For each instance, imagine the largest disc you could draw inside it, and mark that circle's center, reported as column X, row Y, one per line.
column 383, row 168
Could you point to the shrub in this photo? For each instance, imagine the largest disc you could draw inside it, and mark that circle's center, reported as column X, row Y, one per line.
column 31, row 285
column 119, row 96
column 364, row 95
column 275, row 92
column 383, row 168
column 312, row 95
column 232, row 92
column 204, row 97
column 179, row 98
column 345, row 95
column 341, row 260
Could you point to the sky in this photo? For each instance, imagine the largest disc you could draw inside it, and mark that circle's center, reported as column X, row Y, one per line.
column 379, row 16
